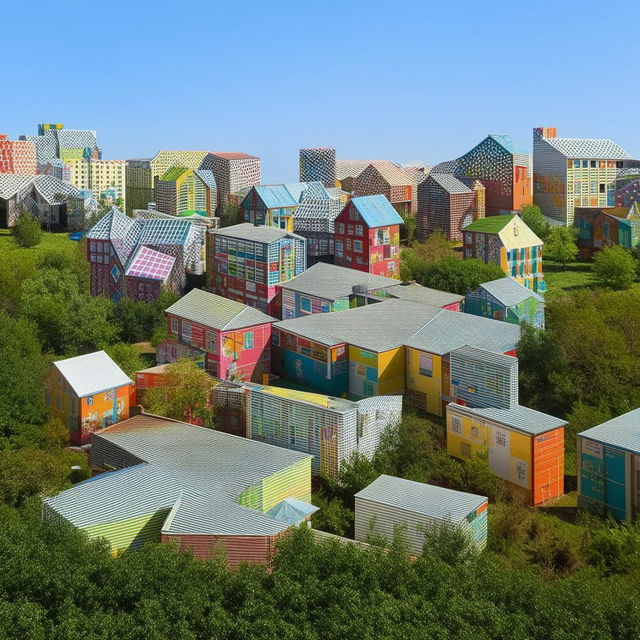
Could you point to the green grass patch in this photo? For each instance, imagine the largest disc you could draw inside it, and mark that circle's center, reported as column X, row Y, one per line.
column 576, row 275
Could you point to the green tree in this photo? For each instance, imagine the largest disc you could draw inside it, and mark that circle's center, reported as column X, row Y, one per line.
column 127, row 357
column 27, row 231
column 460, row 276
column 533, row 217
column 55, row 434
column 614, row 267
column 408, row 228
column 560, row 245
column 231, row 214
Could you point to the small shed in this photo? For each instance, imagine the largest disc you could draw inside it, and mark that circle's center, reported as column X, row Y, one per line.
column 390, row 502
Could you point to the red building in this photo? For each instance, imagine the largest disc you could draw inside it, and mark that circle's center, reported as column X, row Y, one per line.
column 229, row 339
column 17, row 156
column 367, row 236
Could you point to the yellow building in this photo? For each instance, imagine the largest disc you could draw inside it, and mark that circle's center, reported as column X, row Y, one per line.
column 181, row 190
column 105, row 178
column 165, row 159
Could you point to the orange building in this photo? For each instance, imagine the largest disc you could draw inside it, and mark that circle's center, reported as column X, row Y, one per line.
column 88, row 393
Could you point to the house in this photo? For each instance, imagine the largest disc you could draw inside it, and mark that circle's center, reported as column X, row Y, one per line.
column 326, row 287
column 525, row 447
column 574, row 172
column 608, row 467
column 179, row 190
column 502, row 166
column 245, row 263
column 387, row 179
column 88, row 393
column 391, row 504
column 330, row 429
column 367, row 236
column 270, row 205
column 606, row 227
column 508, row 242
column 207, row 491
column 447, row 205
column 17, row 156
column 347, row 171
column 232, row 171
column 319, row 164
column 315, row 220
column 505, row 299
column 231, row 339
column 628, row 190
column 137, row 257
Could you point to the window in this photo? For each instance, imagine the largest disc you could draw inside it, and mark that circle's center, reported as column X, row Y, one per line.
column 359, row 230
column 501, row 439
column 465, row 449
column 247, row 340
column 348, row 244
column 186, row 331
column 212, row 342
column 341, row 227
column 602, row 189
column 474, row 432
column 305, row 304
column 174, row 325
column 426, row 365
column 593, row 164
column 357, row 246
column 456, row 424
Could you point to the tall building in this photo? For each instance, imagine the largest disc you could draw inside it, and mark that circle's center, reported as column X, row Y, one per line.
column 387, row 179
column 232, row 170
column 17, row 156
column 165, row 159
column 574, row 172
column 138, row 185
column 105, row 178
column 181, row 190
column 318, row 164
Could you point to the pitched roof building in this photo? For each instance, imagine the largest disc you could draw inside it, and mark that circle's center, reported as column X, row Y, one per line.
column 387, row 179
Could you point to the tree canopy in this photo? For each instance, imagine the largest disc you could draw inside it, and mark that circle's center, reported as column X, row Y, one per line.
column 614, row 267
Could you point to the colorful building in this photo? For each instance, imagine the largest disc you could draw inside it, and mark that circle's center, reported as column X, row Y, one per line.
column 606, row 227
column 17, row 156
column 367, row 236
column 232, row 171
column 391, row 504
column 505, row 299
column 387, row 179
column 231, row 338
column 105, row 178
column 330, row 429
column 137, row 257
column 508, row 242
column 525, row 447
column 167, row 158
column 574, row 172
column 503, row 167
column 245, row 263
column 181, row 190
column 627, row 191
column 447, row 205
column 323, row 288
column 608, row 461
column 270, row 205
column 205, row 490
column 88, row 393
column 138, row 186
column 318, row 164
column 315, row 221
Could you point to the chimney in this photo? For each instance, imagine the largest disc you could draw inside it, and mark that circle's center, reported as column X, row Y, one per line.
column 540, row 133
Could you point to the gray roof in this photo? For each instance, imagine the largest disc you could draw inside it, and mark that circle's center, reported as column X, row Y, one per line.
column 376, row 327
column 195, row 472
column 424, row 295
column 509, row 292
column 217, row 312
column 450, row 183
column 350, row 168
column 248, row 231
column 588, row 148
column 622, row 432
column 11, row 183
column 54, row 190
column 425, row 499
column 521, row 418
column 451, row 330
column 92, row 373
column 331, row 282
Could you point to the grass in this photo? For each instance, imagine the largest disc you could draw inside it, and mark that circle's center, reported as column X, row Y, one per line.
column 577, row 275
column 28, row 257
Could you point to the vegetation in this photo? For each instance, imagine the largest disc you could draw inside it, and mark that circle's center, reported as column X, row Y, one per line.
column 560, row 245
column 231, row 214
column 614, row 267
column 27, row 231
column 533, row 217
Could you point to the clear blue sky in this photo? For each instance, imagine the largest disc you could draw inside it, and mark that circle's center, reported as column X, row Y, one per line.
column 400, row 80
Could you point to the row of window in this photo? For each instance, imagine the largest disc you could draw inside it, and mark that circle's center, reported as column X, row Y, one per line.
column 358, row 229
column 357, row 245
column 593, row 164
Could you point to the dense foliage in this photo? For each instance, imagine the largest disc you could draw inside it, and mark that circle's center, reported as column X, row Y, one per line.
column 614, row 267
column 560, row 245
column 533, row 217
column 27, row 231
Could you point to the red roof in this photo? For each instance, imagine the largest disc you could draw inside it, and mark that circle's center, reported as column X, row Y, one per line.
column 233, row 155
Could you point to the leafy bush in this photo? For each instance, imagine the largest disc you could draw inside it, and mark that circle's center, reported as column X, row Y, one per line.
column 27, row 231
column 614, row 267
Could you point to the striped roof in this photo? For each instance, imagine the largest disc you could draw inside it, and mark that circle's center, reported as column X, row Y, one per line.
column 248, row 231
column 509, row 292
column 275, row 196
column 424, row 499
column 588, row 148
column 450, row 183
column 92, row 373
column 217, row 312
column 414, row 292
column 376, row 211
column 622, row 432
column 195, row 474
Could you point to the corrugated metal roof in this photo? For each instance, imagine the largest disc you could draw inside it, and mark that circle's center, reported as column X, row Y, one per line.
column 92, row 373
column 449, row 183
column 521, row 418
column 508, row 143
column 425, row 499
column 217, row 312
column 275, row 196
column 588, row 148
column 248, row 231
column 622, row 432
column 376, row 210
column 509, row 292
column 424, row 295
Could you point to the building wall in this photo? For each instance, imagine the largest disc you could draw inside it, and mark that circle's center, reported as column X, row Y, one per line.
column 296, row 304
column 372, row 374
column 548, row 465
column 425, row 390
column 138, row 185
column 165, row 159
column 482, row 303
column 105, row 178
column 231, row 175
column 318, row 165
column 17, row 156
column 550, row 181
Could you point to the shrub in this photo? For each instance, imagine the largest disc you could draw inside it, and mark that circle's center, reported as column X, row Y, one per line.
column 614, row 267
column 27, row 231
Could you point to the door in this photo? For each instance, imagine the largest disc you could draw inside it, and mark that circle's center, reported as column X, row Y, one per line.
column 4, row 217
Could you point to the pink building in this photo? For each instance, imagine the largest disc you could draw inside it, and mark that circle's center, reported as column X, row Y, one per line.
column 229, row 339
column 17, row 156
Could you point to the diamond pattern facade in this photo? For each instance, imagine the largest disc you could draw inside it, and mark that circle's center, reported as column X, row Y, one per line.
column 318, row 164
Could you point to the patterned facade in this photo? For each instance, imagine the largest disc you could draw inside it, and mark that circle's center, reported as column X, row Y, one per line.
column 166, row 158
column 574, row 172
column 330, row 429
column 508, row 242
column 245, row 263
column 232, row 171
column 367, row 236
column 270, row 205
column 181, row 190
column 318, row 165
column 607, row 227
column 389, row 180
column 138, row 184
column 136, row 257
column 627, row 192
column 17, row 156
column 105, row 178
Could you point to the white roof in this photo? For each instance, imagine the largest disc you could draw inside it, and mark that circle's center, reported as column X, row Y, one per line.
column 92, row 373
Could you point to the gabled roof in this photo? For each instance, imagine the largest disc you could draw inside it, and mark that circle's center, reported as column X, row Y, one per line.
column 350, row 168
column 449, row 183
column 291, row 511
column 150, row 264
column 424, row 295
column 508, row 143
column 92, row 373
column 248, row 231
column 275, row 196
column 217, row 312
column 11, row 183
column 376, row 211
column 588, row 148
column 53, row 190
column 233, row 155
column 425, row 499
column 492, row 224
column 173, row 173
column 392, row 174
column 622, row 432
column 512, row 230
column 509, row 292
